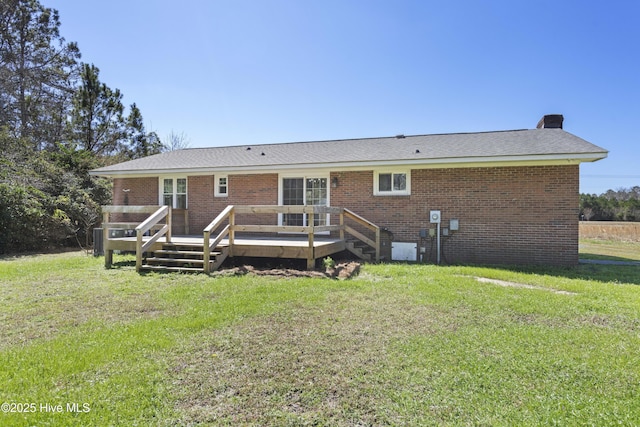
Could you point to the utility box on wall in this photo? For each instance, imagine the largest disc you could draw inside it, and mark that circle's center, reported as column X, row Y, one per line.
column 404, row 251
column 98, row 244
column 386, row 239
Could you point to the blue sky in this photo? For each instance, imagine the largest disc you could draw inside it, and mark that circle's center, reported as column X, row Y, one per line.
column 248, row 72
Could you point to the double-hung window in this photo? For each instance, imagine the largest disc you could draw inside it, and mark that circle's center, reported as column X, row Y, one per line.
column 392, row 183
column 222, row 186
column 174, row 192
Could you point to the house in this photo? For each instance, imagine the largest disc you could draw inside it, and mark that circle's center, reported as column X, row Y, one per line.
column 502, row 197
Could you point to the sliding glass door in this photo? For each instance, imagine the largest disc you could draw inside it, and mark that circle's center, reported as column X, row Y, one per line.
column 305, row 191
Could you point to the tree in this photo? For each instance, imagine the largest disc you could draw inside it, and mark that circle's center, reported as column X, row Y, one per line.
column 57, row 122
column 47, row 198
column 36, row 71
column 28, row 216
column 141, row 144
column 176, row 141
column 96, row 124
column 619, row 205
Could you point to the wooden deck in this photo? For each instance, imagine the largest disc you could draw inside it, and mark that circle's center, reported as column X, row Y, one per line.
column 156, row 248
column 294, row 247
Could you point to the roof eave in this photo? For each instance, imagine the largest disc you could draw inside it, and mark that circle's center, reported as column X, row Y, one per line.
column 422, row 163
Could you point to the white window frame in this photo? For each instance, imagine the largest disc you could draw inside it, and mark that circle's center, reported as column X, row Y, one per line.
column 216, row 191
column 304, row 176
column 175, row 193
column 392, row 192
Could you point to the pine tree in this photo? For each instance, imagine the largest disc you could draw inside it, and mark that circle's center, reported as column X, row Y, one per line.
column 36, row 72
column 97, row 124
column 141, row 144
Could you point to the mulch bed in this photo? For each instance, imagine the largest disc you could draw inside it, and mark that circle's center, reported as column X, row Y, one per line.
column 341, row 271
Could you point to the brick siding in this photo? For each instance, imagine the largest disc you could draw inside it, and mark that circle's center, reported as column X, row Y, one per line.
column 142, row 192
column 512, row 215
column 507, row 215
column 202, row 208
column 259, row 189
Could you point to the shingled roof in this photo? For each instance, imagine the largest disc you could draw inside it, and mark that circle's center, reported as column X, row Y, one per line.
column 529, row 146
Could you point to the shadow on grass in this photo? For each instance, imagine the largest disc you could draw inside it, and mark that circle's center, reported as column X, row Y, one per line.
column 52, row 251
column 599, row 272
column 123, row 264
column 123, row 260
column 587, row 255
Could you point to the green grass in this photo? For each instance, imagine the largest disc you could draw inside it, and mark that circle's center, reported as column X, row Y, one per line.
column 398, row 345
column 609, row 250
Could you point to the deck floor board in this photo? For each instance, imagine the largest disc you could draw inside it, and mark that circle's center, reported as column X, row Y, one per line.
column 241, row 241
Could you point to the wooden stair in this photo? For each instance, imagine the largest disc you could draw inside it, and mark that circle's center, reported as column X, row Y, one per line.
column 184, row 257
column 360, row 249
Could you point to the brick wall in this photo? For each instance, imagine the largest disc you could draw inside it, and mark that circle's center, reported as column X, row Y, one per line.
column 142, row 192
column 261, row 189
column 203, row 207
column 200, row 201
column 510, row 215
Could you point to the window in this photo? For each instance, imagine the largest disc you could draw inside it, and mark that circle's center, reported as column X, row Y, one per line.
column 392, row 184
column 174, row 192
column 222, row 186
column 304, row 191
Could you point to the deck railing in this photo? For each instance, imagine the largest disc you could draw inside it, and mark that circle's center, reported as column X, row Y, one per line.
column 225, row 225
column 208, row 246
column 375, row 243
column 231, row 227
column 152, row 222
column 149, row 223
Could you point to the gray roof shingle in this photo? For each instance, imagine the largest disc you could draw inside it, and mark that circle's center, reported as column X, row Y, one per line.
column 418, row 149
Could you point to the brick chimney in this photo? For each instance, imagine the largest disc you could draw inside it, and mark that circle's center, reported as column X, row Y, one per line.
column 551, row 121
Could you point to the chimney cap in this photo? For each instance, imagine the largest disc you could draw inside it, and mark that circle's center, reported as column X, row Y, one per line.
column 551, row 121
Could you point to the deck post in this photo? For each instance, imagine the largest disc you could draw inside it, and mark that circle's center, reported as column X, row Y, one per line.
column 108, row 253
column 207, row 252
column 232, row 230
column 138, row 251
column 311, row 260
column 377, row 244
column 342, row 224
column 108, row 258
column 169, row 225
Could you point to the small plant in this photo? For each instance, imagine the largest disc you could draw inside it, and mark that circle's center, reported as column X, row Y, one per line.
column 328, row 262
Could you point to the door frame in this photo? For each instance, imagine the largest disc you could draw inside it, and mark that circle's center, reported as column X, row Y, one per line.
column 304, row 176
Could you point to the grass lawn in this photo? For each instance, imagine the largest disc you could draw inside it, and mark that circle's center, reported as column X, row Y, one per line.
column 609, row 250
column 397, row 345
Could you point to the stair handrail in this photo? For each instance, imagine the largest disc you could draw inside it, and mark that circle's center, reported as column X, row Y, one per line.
column 375, row 244
column 146, row 225
column 208, row 246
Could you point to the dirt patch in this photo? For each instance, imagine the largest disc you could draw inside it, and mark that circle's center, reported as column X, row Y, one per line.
column 521, row 285
column 341, row 271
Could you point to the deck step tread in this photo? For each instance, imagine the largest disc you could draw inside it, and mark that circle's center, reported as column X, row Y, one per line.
column 168, row 268
column 177, row 252
column 175, row 260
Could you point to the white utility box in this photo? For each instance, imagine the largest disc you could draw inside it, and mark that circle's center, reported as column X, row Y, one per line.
column 404, row 251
